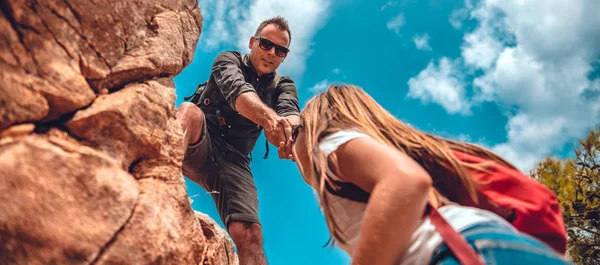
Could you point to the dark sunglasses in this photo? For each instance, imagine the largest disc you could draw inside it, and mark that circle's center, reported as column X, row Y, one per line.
column 295, row 131
column 267, row 45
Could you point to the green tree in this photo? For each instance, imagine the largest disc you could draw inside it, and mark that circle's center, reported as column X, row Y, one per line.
column 576, row 183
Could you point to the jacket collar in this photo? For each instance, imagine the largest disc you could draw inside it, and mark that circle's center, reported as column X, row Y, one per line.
column 246, row 61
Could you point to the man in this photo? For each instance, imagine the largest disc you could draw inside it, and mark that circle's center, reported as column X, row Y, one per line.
column 243, row 95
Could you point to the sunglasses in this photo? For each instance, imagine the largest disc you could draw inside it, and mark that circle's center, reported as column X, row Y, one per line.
column 267, row 45
column 295, row 131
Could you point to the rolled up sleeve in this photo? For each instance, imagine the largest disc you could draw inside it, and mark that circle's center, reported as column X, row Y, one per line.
column 229, row 78
column 287, row 100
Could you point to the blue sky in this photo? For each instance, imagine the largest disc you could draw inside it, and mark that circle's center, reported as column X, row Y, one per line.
column 518, row 77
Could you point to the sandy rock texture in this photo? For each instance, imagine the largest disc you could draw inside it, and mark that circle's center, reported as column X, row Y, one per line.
column 90, row 151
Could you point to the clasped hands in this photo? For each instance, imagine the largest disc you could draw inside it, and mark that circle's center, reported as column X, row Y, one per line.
column 280, row 134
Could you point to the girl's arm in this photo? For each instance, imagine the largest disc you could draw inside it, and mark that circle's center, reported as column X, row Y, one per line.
column 399, row 191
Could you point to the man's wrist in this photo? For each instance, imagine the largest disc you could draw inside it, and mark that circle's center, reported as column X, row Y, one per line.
column 270, row 121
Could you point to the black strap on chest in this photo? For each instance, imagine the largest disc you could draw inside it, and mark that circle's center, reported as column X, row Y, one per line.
column 194, row 98
column 348, row 191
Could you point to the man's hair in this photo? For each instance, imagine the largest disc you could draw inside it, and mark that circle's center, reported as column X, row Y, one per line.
column 279, row 22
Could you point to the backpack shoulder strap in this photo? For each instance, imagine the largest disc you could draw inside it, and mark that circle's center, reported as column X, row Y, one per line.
column 465, row 254
column 194, row 98
column 348, row 191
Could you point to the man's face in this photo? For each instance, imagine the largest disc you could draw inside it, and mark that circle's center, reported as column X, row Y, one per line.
column 267, row 61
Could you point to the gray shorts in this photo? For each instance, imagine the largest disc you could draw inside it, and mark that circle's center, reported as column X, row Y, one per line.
column 224, row 172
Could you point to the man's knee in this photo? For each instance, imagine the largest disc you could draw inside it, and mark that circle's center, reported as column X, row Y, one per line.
column 192, row 121
column 189, row 112
column 245, row 234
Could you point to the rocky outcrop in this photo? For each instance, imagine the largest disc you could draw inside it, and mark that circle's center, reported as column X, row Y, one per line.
column 90, row 151
column 219, row 249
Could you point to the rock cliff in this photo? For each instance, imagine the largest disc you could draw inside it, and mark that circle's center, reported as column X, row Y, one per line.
column 90, row 151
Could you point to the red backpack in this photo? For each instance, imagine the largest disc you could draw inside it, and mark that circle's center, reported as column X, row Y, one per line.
column 531, row 207
column 528, row 205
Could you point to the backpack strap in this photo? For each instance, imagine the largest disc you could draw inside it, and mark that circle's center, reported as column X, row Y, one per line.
column 348, row 191
column 194, row 98
column 276, row 80
column 454, row 240
column 465, row 254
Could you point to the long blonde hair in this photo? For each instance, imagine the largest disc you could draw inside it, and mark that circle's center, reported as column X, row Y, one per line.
column 348, row 106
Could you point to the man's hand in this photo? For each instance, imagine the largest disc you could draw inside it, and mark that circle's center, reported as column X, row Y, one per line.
column 278, row 130
column 280, row 135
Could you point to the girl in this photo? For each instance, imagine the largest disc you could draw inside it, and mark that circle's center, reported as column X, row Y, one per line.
column 375, row 176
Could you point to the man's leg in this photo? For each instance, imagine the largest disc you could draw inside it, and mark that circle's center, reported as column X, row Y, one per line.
column 248, row 240
column 237, row 202
column 229, row 181
column 196, row 142
column 192, row 122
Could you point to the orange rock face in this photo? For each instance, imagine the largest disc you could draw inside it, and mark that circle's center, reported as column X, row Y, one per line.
column 90, row 151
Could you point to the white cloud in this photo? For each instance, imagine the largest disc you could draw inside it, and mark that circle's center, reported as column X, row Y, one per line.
column 225, row 15
column 233, row 22
column 422, row 42
column 319, row 87
column 389, row 4
column 534, row 57
column 457, row 17
column 480, row 49
column 468, row 4
column 396, row 23
column 463, row 138
column 442, row 85
column 551, row 31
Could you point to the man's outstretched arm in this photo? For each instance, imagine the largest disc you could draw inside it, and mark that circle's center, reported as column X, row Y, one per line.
column 242, row 97
column 250, row 106
column 278, row 124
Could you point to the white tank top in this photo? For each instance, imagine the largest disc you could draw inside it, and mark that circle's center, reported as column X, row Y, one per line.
column 349, row 214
